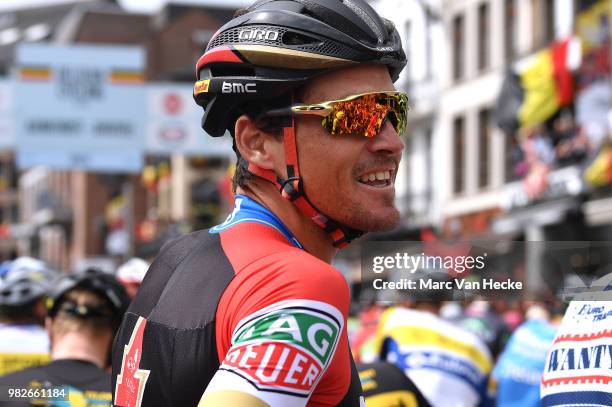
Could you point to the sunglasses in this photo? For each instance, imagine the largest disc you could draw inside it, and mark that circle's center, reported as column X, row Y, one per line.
column 363, row 114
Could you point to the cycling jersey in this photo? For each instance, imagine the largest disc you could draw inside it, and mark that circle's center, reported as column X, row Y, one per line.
column 240, row 309
column 579, row 364
column 84, row 384
column 385, row 385
column 22, row 346
column 448, row 364
column 519, row 369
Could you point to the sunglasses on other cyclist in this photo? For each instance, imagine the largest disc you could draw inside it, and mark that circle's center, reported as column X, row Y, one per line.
column 363, row 114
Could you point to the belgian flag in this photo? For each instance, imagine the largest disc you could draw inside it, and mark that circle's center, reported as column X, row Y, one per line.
column 536, row 88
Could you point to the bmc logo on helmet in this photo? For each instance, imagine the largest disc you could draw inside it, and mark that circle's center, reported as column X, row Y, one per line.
column 258, row 35
column 229, row 87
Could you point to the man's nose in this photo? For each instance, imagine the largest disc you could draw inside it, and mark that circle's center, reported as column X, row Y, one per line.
column 386, row 141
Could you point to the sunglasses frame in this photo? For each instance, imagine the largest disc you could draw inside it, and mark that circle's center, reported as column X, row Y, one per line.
column 324, row 109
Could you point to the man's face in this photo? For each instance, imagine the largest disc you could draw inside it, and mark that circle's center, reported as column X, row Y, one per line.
column 335, row 168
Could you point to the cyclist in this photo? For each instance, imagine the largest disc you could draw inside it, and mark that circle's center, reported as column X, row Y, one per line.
column 84, row 311
column 449, row 364
column 385, row 385
column 23, row 340
column 578, row 364
column 250, row 312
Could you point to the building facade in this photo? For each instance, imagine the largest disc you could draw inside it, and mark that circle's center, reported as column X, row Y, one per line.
column 73, row 218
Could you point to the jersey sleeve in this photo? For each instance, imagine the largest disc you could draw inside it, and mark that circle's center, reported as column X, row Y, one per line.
column 281, row 334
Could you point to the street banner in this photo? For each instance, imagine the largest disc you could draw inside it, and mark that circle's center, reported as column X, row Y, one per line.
column 174, row 124
column 80, row 107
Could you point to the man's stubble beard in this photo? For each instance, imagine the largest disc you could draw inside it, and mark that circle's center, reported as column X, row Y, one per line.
column 361, row 218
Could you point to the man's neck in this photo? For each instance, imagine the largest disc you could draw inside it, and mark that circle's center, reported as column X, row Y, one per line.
column 74, row 345
column 312, row 237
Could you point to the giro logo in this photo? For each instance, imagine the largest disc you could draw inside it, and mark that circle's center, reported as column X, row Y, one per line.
column 229, row 87
column 269, row 35
column 286, row 346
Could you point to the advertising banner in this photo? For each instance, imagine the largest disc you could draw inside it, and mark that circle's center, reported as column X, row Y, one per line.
column 174, row 125
column 80, row 107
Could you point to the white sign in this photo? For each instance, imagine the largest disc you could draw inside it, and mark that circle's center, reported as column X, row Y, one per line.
column 80, row 107
column 7, row 123
column 174, row 124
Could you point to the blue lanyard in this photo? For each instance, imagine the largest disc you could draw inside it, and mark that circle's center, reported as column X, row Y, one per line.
column 248, row 210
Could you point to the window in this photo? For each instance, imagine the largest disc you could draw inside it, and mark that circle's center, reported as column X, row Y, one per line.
column 429, row 160
column 549, row 21
column 543, row 22
column 484, row 127
column 484, row 36
column 514, row 158
column 428, row 45
column 458, row 153
column 510, row 29
column 458, row 47
column 407, row 47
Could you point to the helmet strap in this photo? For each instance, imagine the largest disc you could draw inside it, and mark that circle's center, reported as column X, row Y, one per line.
column 292, row 189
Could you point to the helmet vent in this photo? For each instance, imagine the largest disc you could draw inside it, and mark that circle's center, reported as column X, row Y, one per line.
column 293, row 38
column 231, row 70
column 366, row 19
column 248, row 35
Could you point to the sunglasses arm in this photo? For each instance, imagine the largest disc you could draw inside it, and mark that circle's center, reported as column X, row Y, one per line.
column 318, row 110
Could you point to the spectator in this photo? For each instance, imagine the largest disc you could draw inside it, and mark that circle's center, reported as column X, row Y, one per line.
column 85, row 310
column 362, row 342
column 483, row 321
column 131, row 273
column 23, row 340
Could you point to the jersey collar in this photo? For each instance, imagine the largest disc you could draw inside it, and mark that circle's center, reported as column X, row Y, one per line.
column 249, row 210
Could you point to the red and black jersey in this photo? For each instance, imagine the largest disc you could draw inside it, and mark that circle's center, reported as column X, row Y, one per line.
column 240, row 308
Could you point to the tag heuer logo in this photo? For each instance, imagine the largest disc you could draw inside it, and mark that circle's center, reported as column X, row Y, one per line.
column 286, row 348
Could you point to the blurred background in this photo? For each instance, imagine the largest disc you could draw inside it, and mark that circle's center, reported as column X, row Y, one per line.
column 509, row 142
column 102, row 157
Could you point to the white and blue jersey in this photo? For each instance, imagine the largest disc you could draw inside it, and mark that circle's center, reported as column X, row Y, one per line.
column 578, row 368
column 518, row 371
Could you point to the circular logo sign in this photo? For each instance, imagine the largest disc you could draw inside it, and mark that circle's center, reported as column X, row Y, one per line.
column 172, row 103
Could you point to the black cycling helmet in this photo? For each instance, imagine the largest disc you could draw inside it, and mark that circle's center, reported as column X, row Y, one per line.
column 276, row 46
column 279, row 44
column 24, row 281
column 94, row 280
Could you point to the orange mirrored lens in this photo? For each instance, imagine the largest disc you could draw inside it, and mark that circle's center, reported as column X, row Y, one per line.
column 367, row 114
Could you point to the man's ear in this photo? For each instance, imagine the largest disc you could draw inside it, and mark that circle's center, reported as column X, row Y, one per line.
column 257, row 146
